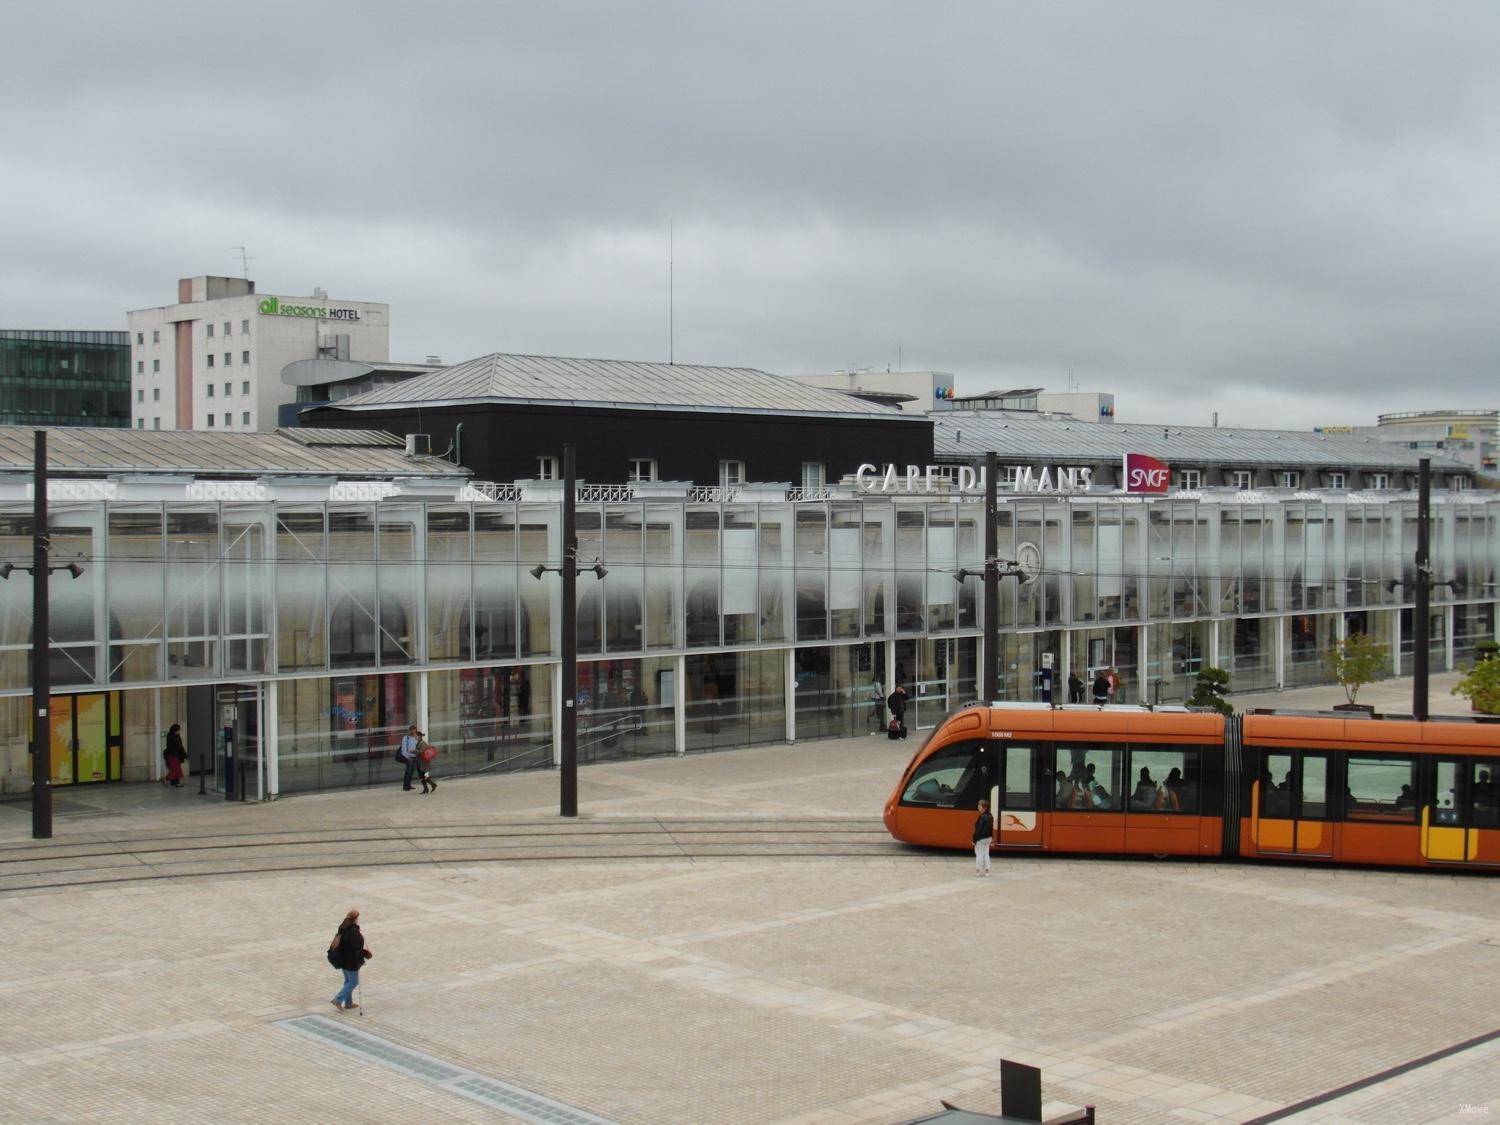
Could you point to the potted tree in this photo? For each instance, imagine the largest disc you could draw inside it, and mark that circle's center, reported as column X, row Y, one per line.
column 1481, row 685
column 1354, row 662
column 1209, row 688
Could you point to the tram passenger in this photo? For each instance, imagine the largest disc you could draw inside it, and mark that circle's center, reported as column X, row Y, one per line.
column 1484, row 790
column 1169, row 798
column 1098, row 796
column 1145, row 795
column 1406, row 799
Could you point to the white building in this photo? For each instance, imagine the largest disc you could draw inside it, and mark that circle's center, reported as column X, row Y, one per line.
column 214, row 359
column 915, row 392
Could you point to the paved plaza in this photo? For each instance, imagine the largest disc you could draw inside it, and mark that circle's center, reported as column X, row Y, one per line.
column 727, row 938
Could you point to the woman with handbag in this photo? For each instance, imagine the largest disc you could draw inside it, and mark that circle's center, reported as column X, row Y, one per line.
column 174, row 755
column 426, row 751
column 347, row 952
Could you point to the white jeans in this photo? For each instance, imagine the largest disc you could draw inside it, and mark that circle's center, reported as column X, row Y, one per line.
column 982, row 856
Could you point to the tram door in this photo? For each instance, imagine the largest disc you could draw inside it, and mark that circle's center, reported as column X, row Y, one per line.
column 1292, row 817
column 1014, row 797
column 1455, row 807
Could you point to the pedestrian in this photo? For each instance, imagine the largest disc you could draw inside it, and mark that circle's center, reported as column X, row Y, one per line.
column 1075, row 687
column 426, row 751
column 897, row 704
column 877, row 703
column 348, row 953
column 984, row 831
column 1114, row 683
column 406, row 754
column 174, row 755
column 1101, row 687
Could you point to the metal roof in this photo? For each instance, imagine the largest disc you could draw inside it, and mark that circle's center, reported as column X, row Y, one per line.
column 615, row 384
column 86, row 450
column 1018, row 434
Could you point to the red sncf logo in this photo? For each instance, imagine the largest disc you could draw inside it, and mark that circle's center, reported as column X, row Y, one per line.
column 1145, row 474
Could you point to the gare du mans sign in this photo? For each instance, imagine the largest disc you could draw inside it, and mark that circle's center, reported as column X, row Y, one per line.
column 1139, row 474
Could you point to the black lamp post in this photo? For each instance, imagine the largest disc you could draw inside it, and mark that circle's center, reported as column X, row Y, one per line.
column 569, row 571
column 992, row 573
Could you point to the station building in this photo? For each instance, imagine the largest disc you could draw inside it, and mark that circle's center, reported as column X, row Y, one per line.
column 298, row 598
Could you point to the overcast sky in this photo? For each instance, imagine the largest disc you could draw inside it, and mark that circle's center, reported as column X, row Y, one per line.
column 1283, row 212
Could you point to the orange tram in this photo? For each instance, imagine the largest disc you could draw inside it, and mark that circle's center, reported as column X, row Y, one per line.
column 1320, row 787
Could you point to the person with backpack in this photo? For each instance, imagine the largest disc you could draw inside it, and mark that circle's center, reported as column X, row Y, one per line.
column 897, row 704
column 347, row 953
column 426, row 751
column 174, row 755
column 406, row 754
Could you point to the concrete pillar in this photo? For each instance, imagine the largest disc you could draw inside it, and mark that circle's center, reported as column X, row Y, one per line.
column 679, row 704
column 1060, row 674
column 1280, row 653
column 270, row 739
column 1448, row 637
column 1143, row 662
column 890, row 665
column 158, row 765
column 1213, row 644
column 422, row 710
column 555, row 671
column 789, row 680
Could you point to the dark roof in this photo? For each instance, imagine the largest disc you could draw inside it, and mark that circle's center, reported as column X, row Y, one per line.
column 87, row 450
column 615, row 384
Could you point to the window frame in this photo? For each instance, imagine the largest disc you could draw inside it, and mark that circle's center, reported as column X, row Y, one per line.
column 633, row 473
column 208, row 333
column 1244, row 480
column 548, row 467
column 1291, row 478
column 1380, row 481
column 244, row 417
column 1296, row 809
column 1192, row 768
column 1190, row 480
column 731, row 473
column 1338, row 480
column 1119, row 752
column 975, row 779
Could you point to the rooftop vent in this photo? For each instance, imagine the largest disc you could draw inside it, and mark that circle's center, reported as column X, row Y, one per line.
column 435, row 360
column 418, row 445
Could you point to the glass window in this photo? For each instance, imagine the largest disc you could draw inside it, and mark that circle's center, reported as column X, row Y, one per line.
column 245, row 418
column 1276, row 796
column 731, row 472
column 1164, row 780
column 226, row 328
column 641, row 468
column 1446, row 795
column 1291, row 480
column 210, row 359
column 140, row 395
column 1380, row 480
column 140, row 337
column 812, row 474
column 228, row 390
column 244, row 386
column 1314, row 787
column 156, row 423
column 156, row 335
column 209, row 331
column 1190, row 478
column 156, row 367
column 210, row 390
column 1336, row 480
column 1089, row 778
column 1381, row 789
column 244, row 328
column 228, row 419
column 228, row 358
column 140, row 423
column 140, row 367
column 1017, row 793
column 947, row 779
column 546, row 468
column 210, row 421
column 1485, row 794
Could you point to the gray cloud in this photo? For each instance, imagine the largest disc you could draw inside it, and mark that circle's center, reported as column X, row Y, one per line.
column 1284, row 212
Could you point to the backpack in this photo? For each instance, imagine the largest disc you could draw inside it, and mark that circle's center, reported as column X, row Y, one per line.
column 334, row 959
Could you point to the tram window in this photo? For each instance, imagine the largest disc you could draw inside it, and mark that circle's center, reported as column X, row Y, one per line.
column 945, row 778
column 1445, row 807
column 1276, row 787
column 1314, row 787
column 1089, row 779
column 1485, row 794
column 1382, row 789
column 1163, row 780
column 1018, row 777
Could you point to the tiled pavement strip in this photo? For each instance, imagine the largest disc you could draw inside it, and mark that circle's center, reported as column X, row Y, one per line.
column 791, row 990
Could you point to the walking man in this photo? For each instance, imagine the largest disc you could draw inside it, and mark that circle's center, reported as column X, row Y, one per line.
column 984, row 830
column 406, row 754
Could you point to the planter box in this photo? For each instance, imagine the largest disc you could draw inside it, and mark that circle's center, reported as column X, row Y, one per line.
column 1362, row 708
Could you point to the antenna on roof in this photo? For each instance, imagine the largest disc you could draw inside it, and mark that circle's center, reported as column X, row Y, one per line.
column 245, row 261
column 671, row 293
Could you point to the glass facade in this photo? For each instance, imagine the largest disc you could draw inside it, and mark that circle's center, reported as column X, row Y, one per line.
column 53, row 378
column 718, row 624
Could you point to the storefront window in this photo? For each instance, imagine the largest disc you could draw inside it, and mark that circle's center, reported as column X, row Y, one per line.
column 735, row 699
column 491, row 720
column 341, row 732
column 449, row 574
column 301, row 589
column 626, row 708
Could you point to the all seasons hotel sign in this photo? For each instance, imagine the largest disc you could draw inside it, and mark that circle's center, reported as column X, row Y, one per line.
column 272, row 306
column 1140, row 474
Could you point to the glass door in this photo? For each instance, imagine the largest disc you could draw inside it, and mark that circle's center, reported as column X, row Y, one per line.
column 1291, row 813
column 1456, row 808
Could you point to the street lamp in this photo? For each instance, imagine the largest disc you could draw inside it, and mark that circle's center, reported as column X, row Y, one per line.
column 569, row 571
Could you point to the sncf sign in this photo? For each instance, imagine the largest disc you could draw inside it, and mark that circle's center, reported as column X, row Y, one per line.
column 1145, row 474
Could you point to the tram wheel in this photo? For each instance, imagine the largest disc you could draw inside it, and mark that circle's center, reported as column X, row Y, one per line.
column 1161, row 855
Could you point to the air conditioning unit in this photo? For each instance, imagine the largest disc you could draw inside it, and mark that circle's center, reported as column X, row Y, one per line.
column 418, row 445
